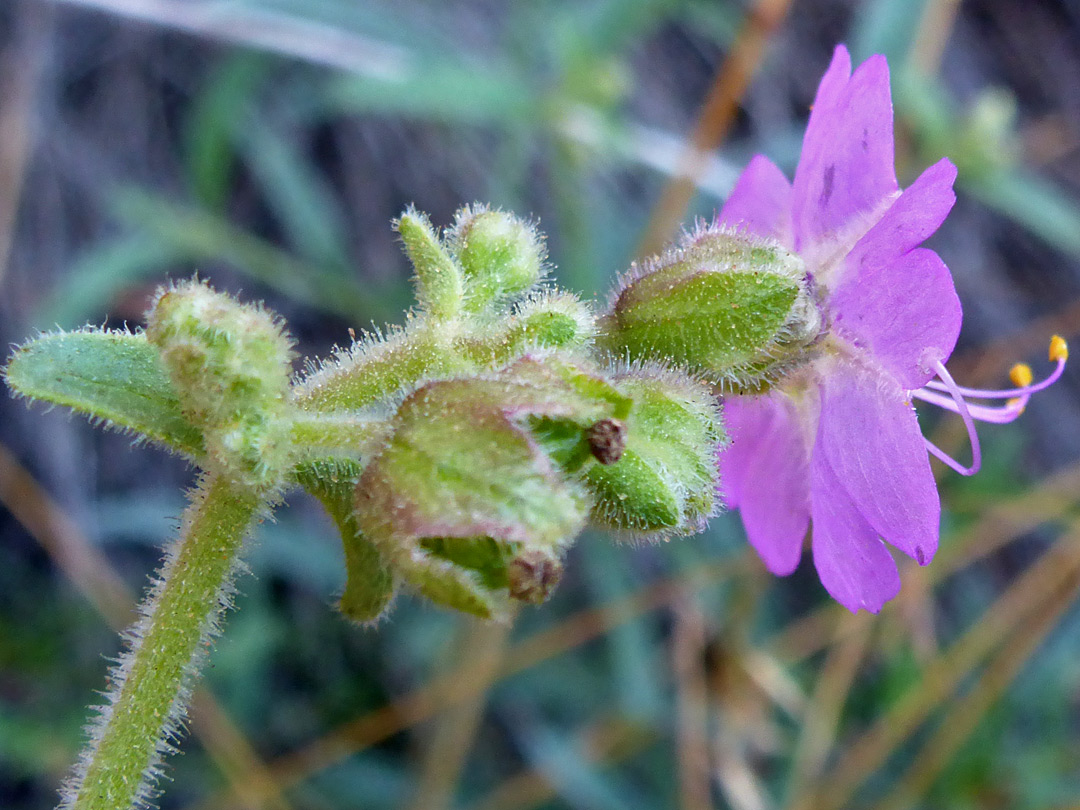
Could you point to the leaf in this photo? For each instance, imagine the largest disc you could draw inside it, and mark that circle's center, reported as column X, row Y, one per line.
column 209, row 149
column 441, row 91
column 1036, row 203
column 201, row 236
column 113, row 376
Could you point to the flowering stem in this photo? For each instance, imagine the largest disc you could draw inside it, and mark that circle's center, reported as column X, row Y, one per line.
column 149, row 685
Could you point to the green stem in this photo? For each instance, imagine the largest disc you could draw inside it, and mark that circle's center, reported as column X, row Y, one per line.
column 150, row 684
column 342, row 433
column 366, row 374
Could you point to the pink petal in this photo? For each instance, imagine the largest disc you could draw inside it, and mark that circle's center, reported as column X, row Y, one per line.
column 913, row 218
column 745, row 419
column 905, row 311
column 870, row 438
column 760, row 203
column 853, row 563
column 766, row 468
column 846, row 172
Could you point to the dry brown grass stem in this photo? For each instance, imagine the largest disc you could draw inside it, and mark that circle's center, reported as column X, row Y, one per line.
column 605, row 741
column 715, row 120
column 450, row 688
column 935, row 28
column 456, row 728
column 1015, row 608
column 21, row 66
column 820, row 722
column 71, row 551
column 964, row 716
column 692, row 705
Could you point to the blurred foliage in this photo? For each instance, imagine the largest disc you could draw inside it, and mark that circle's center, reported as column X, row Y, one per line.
column 678, row 675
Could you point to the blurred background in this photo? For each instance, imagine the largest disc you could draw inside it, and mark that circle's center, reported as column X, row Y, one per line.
column 267, row 144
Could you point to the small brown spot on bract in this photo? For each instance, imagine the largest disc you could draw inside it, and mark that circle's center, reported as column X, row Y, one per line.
column 607, row 440
column 532, row 576
column 920, row 557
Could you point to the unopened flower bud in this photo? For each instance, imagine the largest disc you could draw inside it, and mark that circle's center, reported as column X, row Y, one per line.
column 664, row 483
column 230, row 365
column 501, row 255
column 551, row 320
column 735, row 308
column 438, row 278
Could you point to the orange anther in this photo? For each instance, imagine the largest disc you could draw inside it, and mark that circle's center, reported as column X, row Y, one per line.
column 1059, row 349
column 1021, row 375
column 1017, row 404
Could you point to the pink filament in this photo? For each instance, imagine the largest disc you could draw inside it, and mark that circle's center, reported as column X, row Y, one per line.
column 1004, row 393
column 960, row 406
column 984, row 413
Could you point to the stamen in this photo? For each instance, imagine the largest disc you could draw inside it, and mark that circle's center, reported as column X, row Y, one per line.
column 998, row 415
column 969, row 423
column 1059, row 353
column 1016, row 399
column 1059, row 349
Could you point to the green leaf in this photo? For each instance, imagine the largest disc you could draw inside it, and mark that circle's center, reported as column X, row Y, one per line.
column 210, row 154
column 113, row 376
column 441, row 91
column 1036, row 203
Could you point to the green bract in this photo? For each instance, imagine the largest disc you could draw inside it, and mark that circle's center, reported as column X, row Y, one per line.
column 466, row 501
column 732, row 307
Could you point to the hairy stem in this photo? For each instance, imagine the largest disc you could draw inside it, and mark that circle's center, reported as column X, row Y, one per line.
column 149, row 686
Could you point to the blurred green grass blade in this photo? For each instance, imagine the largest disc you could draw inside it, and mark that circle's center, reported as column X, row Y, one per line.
column 442, row 91
column 113, row 376
column 632, row 647
column 1036, row 203
column 718, row 21
column 886, row 27
column 210, row 152
column 200, row 236
column 299, row 197
column 601, row 28
column 570, row 771
column 100, row 274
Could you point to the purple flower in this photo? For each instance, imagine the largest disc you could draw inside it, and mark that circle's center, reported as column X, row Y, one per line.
column 836, row 443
